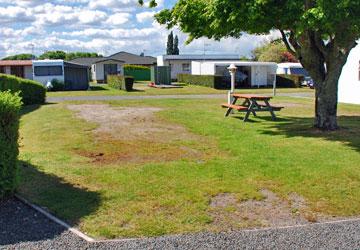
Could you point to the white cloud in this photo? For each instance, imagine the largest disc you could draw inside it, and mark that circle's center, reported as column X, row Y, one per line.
column 145, row 16
column 118, row 19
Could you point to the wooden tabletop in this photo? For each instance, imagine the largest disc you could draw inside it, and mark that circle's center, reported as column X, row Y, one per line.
column 252, row 96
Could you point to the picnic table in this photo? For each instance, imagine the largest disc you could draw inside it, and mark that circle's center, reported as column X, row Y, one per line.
column 251, row 104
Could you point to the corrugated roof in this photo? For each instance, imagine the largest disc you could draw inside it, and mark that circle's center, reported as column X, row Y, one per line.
column 202, row 57
column 16, row 63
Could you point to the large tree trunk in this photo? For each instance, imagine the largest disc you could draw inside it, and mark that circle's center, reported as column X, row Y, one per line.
column 326, row 99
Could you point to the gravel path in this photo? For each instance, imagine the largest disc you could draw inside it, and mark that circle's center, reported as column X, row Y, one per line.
column 23, row 228
column 142, row 97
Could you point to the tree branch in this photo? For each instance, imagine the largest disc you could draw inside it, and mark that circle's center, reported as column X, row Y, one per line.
column 287, row 44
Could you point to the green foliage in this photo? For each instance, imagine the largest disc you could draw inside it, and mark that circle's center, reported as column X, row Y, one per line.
column 31, row 92
column 53, row 55
column 131, row 66
column 10, row 105
column 170, row 44
column 176, row 46
column 289, row 81
column 121, row 82
column 211, row 81
column 20, row 57
column 272, row 52
column 67, row 56
column 57, row 85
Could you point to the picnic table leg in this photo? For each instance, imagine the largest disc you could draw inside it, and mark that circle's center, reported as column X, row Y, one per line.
column 273, row 116
column 255, row 105
column 230, row 109
column 250, row 110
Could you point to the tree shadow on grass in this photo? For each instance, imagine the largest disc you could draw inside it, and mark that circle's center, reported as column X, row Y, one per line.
column 64, row 200
column 31, row 108
column 349, row 132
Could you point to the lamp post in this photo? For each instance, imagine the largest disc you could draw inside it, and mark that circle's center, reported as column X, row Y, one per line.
column 232, row 69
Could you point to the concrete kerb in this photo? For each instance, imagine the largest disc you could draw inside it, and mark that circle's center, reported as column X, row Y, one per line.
column 91, row 240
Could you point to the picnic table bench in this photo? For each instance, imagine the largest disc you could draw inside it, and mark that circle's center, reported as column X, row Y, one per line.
column 251, row 104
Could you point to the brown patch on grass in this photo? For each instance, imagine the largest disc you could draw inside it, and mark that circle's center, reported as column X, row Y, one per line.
column 228, row 213
column 137, row 135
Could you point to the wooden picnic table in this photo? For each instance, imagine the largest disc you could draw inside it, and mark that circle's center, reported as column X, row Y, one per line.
column 251, row 104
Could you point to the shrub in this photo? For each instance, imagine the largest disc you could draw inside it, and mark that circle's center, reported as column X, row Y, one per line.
column 121, row 82
column 131, row 66
column 57, row 85
column 140, row 73
column 10, row 105
column 31, row 92
column 289, row 81
column 212, row 81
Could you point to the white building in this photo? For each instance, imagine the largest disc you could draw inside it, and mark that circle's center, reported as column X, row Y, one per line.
column 248, row 74
column 349, row 82
column 291, row 69
column 181, row 64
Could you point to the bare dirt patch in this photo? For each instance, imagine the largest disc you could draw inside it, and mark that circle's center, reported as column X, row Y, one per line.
column 136, row 135
column 228, row 213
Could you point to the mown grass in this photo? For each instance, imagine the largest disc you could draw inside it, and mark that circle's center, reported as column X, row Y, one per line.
column 141, row 88
column 156, row 198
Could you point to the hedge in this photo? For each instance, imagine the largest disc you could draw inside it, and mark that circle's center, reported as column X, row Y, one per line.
column 121, row 82
column 10, row 105
column 140, row 73
column 289, row 81
column 31, row 92
column 212, row 81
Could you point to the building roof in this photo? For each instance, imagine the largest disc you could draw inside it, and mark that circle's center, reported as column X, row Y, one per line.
column 239, row 63
column 88, row 61
column 201, row 57
column 16, row 63
column 290, row 65
column 129, row 58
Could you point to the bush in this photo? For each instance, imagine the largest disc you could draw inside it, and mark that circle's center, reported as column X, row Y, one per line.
column 289, row 81
column 10, row 105
column 31, row 92
column 121, row 82
column 212, row 81
column 56, row 85
column 140, row 73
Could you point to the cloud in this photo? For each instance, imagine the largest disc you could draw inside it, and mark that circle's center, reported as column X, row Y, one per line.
column 145, row 16
column 118, row 19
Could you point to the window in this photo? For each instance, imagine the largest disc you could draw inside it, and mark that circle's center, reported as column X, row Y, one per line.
column 299, row 71
column 2, row 70
column 186, row 67
column 48, row 70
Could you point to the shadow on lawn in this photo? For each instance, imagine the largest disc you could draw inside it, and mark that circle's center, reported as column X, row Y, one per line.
column 303, row 127
column 30, row 108
column 67, row 201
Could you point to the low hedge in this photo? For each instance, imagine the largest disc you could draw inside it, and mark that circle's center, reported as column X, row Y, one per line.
column 10, row 105
column 289, row 81
column 212, row 81
column 30, row 91
column 121, row 82
column 132, row 66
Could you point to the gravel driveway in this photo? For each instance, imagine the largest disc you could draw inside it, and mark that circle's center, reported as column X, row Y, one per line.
column 23, row 228
column 120, row 98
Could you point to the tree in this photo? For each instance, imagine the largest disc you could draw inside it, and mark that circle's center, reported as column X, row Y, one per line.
column 20, row 57
column 176, row 46
column 274, row 51
column 170, row 44
column 53, row 55
column 320, row 33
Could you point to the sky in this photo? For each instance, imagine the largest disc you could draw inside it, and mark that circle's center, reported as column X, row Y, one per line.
column 103, row 26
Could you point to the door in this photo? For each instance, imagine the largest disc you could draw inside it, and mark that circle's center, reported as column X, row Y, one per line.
column 109, row 69
column 17, row 71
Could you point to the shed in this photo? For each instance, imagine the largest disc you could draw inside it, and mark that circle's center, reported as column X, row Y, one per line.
column 248, row 74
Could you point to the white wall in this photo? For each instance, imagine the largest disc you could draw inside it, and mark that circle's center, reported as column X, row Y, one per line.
column 7, row 70
column 349, row 84
column 98, row 75
column 28, row 72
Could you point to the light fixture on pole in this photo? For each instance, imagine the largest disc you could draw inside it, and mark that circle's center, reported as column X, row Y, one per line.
column 232, row 69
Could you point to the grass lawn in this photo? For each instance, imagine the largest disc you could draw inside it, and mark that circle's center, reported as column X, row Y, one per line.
column 141, row 88
column 113, row 187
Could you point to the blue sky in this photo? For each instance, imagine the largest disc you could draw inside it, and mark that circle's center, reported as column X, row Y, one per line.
column 103, row 26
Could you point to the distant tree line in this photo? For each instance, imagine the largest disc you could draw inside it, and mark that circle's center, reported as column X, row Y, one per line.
column 58, row 54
